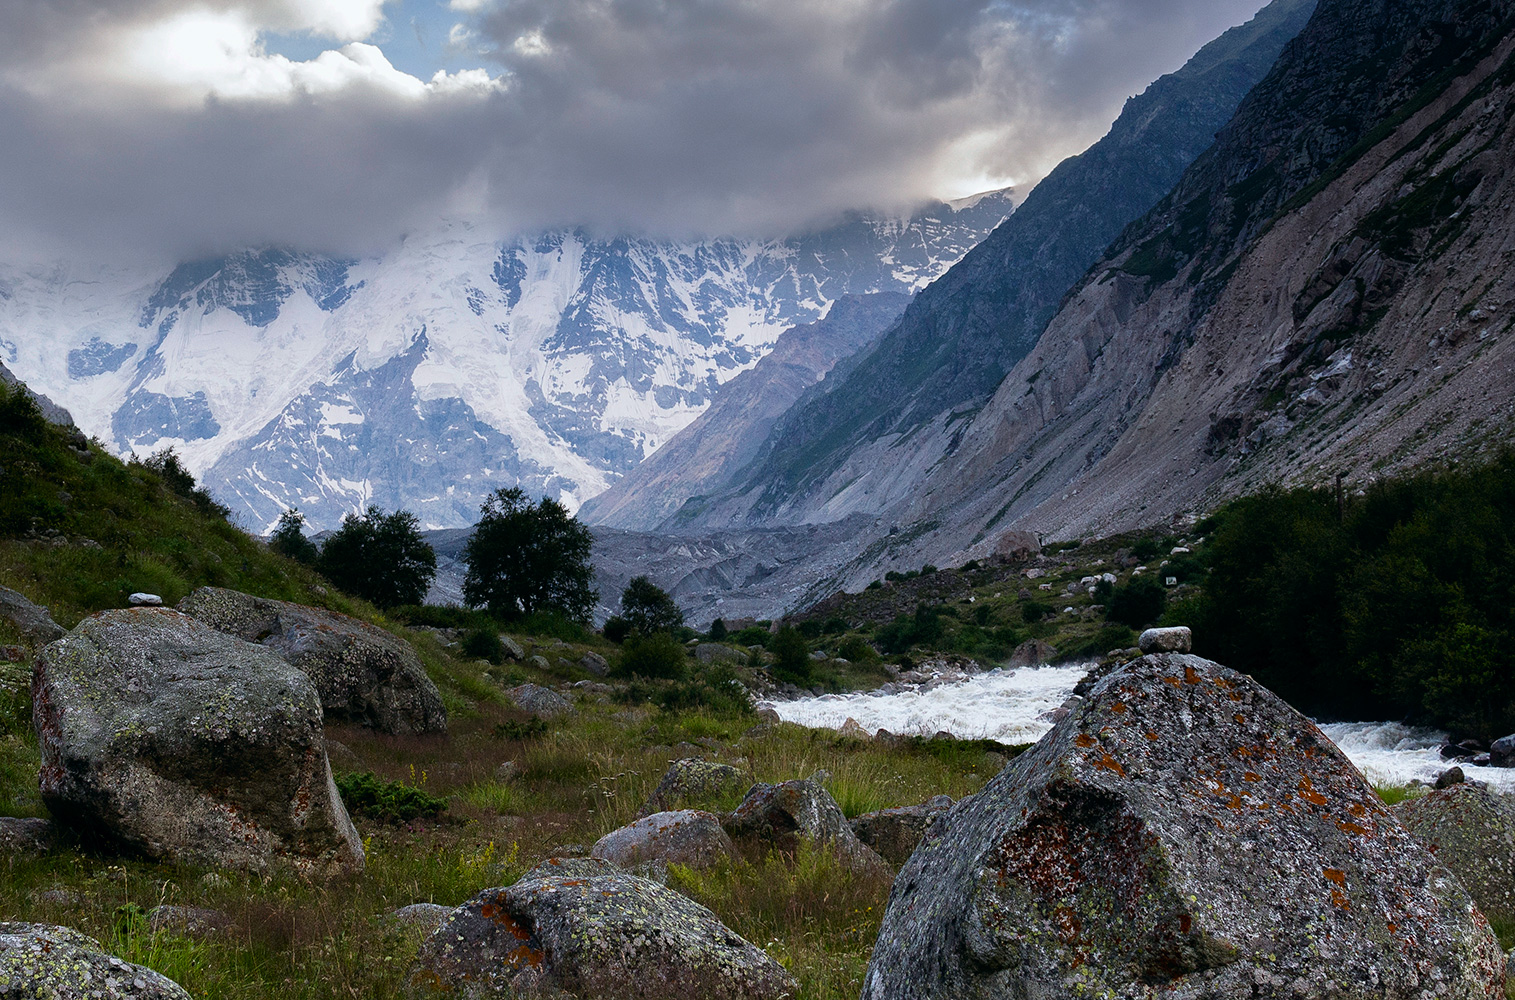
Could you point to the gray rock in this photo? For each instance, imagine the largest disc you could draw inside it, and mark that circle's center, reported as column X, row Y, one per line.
column 714, row 652
column 507, row 772
column 364, row 674
column 31, row 620
column 1471, row 830
column 1451, row 776
column 783, row 816
column 896, row 833
column 685, row 837
column 27, row 836
column 512, row 648
column 1502, row 752
column 595, row 664
column 1031, row 653
column 540, row 662
column 187, row 745
column 1184, row 834
column 188, row 921
column 692, row 783
column 142, row 600
column 600, row 934
column 542, row 702
column 426, row 916
column 59, row 963
column 1166, row 640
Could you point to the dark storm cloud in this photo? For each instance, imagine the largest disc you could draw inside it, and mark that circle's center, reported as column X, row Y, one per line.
column 660, row 115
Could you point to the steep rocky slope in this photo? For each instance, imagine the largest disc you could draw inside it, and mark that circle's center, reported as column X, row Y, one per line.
column 703, row 457
column 1327, row 291
column 864, row 439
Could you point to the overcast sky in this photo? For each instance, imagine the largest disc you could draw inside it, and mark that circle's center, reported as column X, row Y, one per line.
column 187, row 127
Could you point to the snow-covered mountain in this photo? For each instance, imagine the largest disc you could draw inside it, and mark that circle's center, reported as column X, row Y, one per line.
column 430, row 375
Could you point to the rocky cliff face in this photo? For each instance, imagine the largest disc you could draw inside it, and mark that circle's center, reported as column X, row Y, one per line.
column 454, row 364
column 886, row 418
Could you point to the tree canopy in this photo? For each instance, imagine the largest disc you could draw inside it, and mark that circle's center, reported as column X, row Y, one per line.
column 525, row 558
column 289, row 539
column 379, row 557
column 647, row 607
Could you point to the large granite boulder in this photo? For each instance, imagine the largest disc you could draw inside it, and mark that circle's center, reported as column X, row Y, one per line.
column 895, row 833
column 1183, row 833
column 685, row 837
column 364, row 674
column 1471, row 830
column 31, row 620
column 166, row 736
column 598, row 933
column 692, row 783
column 785, row 816
column 59, row 963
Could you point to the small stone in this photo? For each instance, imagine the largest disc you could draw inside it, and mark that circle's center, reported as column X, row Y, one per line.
column 853, row 730
column 140, row 600
column 1166, row 640
column 425, row 916
column 595, row 664
column 1451, row 776
column 540, row 662
column 29, row 836
column 512, row 648
column 507, row 772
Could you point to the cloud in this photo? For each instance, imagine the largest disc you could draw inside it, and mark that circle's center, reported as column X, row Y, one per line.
column 168, row 126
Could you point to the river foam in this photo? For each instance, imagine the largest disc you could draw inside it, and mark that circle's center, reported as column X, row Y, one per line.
column 1011, row 705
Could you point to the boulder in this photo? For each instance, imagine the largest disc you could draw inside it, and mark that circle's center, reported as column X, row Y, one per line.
column 1471, row 830
column 853, row 730
column 27, row 836
column 583, row 927
column 31, row 620
column 1186, row 834
column 784, row 816
column 1166, row 640
column 186, row 744
column 425, row 916
column 685, row 837
column 364, row 674
column 1502, row 752
column 544, row 703
column 59, row 963
column 512, row 648
column 692, row 783
column 595, row 664
column 1451, row 776
column 1031, row 653
column 188, row 921
column 715, row 652
column 895, row 833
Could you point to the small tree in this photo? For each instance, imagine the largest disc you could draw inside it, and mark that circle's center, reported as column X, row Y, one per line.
column 288, row 538
column 380, row 557
column 792, row 655
column 718, row 630
column 647, row 608
column 524, row 558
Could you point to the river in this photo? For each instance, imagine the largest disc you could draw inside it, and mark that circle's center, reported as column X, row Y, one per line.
column 1011, row 705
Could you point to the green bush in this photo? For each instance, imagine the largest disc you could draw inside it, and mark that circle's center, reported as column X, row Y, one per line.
column 752, row 635
column 484, row 644
column 793, row 656
column 648, row 608
column 857, row 649
column 366, row 794
column 1138, row 603
column 716, row 689
column 616, row 629
column 519, row 731
column 659, row 655
column 1034, row 611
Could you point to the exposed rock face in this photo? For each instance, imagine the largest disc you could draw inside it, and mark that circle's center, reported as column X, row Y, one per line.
column 364, row 674
column 59, row 963
column 542, row 702
column 31, row 620
column 692, row 783
column 598, row 933
column 895, row 833
column 685, row 837
column 1183, row 833
column 186, row 744
column 1471, row 830
column 785, row 816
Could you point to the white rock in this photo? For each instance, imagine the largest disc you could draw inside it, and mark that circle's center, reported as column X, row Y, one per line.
column 1166, row 640
column 145, row 600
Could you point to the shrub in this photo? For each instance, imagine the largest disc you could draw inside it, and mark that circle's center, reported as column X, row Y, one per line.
column 524, row 559
column 1034, row 611
column 1138, row 603
column 181, row 483
column 793, row 656
column 369, row 795
column 752, row 635
column 876, row 585
column 659, row 655
column 616, row 629
column 716, row 690
column 810, row 629
column 519, row 731
column 857, row 649
column 718, row 631
column 379, row 557
column 484, row 644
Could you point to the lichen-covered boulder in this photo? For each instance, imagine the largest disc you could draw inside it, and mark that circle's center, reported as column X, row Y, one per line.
column 27, row 836
column 598, row 933
column 542, row 702
column 1183, row 834
column 31, row 620
column 799, row 812
column 59, row 963
column 170, row 738
column 188, row 921
column 364, row 674
column 684, row 837
column 692, row 783
column 1471, row 830
column 425, row 916
column 895, row 833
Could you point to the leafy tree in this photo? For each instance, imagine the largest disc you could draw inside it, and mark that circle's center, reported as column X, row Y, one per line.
column 288, row 538
column 793, row 655
column 647, row 608
column 524, row 558
column 718, row 630
column 380, row 557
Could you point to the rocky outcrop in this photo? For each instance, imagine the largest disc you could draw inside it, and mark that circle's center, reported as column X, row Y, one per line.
column 598, row 933
column 786, row 816
column 1182, row 833
column 59, row 963
column 895, row 833
column 692, row 783
column 364, row 674
column 1471, row 830
column 31, row 620
column 684, row 837
column 163, row 735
